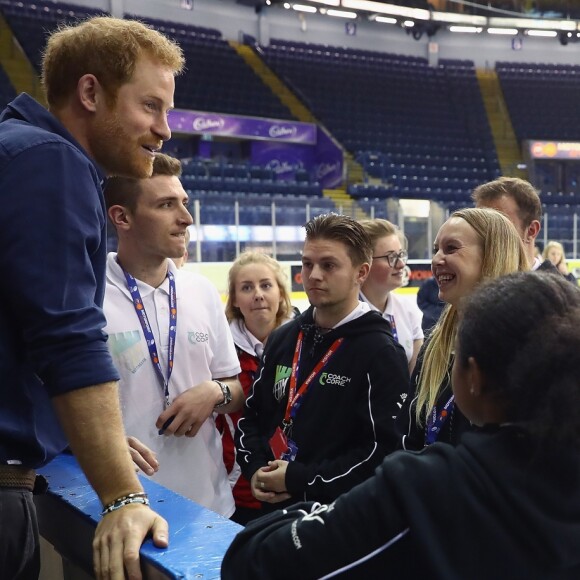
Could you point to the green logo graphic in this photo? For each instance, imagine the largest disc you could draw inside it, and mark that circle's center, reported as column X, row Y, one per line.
column 282, row 372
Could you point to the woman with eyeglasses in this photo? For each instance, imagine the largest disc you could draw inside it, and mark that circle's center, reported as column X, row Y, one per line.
column 473, row 245
column 386, row 274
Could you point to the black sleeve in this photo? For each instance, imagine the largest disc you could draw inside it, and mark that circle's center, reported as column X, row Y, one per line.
column 262, row 413
column 411, row 434
column 358, row 533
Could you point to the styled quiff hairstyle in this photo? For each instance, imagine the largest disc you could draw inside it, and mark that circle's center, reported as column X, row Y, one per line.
column 502, row 253
column 523, row 330
column 106, row 47
column 125, row 191
column 522, row 192
column 344, row 229
column 245, row 259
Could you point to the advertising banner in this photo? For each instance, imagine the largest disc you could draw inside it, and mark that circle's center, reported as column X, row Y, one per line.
column 328, row 161
column 203, row 123
column 284, row 159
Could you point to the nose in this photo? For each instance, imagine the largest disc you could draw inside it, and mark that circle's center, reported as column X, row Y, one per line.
column 258, row 294
column 315, row 272
column 185, row 217
column 399, row 264
column 437, row 259
column 161, row 128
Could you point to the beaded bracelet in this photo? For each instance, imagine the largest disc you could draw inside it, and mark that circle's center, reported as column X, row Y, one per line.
column 140, row 497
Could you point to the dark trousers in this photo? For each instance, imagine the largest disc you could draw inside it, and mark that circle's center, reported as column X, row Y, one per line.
column 19, row 542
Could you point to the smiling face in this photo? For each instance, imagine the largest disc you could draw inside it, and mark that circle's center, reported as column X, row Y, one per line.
column 382, row 277
column 160, row 219
column 258, row 297
column 125, row 135
column 330, row 279
column 458, row 260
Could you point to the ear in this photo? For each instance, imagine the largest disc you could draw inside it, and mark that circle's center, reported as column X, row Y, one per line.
column 532, row 232
column 89, row 92
column 475, row 378
column 120, row 217
column 363, row 273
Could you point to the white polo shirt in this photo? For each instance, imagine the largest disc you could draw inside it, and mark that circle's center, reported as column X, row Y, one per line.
column 408, row 317
column 204, row 349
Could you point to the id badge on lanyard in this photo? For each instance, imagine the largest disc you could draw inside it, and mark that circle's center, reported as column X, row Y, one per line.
column 436, row 421
column 282, row 436
column 148, row 332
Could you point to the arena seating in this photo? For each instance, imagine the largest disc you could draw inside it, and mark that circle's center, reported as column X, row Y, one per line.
column 31, row 22
column 219, row 185
column 216, row 77
column 416, row 128
column 543, row 99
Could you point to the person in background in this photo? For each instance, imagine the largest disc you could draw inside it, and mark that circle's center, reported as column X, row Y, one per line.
column 503, row 504
column 319, row 418
column 386, row 274
column 106, row 116
column 473, row 245
column 430, row 304
column 257, row 304
column 169, row 338
column 554, row 251
column 519, row 201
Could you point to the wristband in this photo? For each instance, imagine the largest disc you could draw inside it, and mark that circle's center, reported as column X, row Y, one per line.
column 120, row 502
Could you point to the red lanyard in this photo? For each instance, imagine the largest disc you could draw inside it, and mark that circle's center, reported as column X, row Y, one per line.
column 293, row 396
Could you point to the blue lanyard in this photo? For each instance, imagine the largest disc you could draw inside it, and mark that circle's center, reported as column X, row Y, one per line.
column 393, row 327
column 435, row 422
column 148, row 333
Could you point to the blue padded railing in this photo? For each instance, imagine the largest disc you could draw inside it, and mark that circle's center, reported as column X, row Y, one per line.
column 69, row 512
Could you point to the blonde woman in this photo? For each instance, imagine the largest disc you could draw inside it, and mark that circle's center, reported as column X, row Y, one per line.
column 554, row 251
column 386, row 274
column 258, row 302
column 472, row 245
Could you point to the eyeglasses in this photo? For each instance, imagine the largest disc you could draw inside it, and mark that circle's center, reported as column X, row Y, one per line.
column 392, row 257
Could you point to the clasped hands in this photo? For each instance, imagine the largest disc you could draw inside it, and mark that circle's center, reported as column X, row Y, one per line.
column 269, row 482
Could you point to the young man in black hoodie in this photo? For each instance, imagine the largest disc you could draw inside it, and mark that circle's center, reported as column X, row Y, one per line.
column 320, row 416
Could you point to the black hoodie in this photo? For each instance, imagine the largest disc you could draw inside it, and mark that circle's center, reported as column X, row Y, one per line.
column 345, row 424
column 492, row 508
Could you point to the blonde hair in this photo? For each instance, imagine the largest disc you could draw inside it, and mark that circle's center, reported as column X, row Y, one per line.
column 553, row 244
column 379, row 228
column 245, row 259
column 502, row 253
column 106, row 47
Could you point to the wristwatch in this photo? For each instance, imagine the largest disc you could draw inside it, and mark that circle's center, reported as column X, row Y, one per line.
column 225, row 392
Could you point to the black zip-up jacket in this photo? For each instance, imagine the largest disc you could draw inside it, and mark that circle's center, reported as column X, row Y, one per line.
column 492, row 508
column 345, row 424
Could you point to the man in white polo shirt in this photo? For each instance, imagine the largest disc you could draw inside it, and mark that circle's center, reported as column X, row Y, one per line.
column 169, row 338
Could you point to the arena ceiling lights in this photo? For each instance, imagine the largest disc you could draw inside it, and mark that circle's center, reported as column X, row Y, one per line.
column 465, row 23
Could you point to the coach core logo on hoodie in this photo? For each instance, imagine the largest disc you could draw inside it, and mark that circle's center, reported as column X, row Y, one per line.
column 281, row 381
column 332, row 379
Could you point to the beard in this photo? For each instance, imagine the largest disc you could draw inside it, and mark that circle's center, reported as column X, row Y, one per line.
column 117, row 152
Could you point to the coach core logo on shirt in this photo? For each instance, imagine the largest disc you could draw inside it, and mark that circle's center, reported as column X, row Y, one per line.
column 194, row 337
column 332, row 379
column 281, row 381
